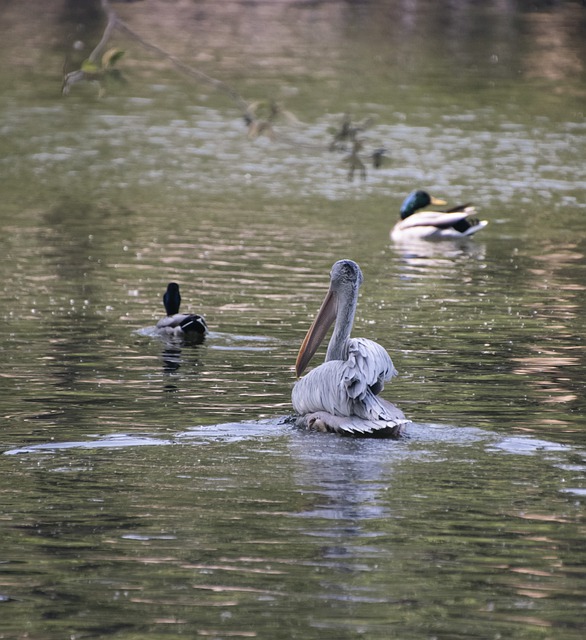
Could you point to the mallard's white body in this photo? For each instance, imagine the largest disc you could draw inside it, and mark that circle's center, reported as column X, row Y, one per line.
column 435, row 225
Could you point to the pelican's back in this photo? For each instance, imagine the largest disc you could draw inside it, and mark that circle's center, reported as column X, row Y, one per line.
column 347, row 387
column 368, row 366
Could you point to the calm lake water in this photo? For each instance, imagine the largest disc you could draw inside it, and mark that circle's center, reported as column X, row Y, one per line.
column 152, row 489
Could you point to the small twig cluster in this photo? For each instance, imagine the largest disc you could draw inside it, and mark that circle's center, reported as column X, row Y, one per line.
column 259, row 117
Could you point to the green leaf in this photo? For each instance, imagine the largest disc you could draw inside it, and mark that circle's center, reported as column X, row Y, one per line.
column 89, row 67
column 111, row 57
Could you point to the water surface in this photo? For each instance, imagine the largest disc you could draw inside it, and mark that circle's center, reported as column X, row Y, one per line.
column 152, row 488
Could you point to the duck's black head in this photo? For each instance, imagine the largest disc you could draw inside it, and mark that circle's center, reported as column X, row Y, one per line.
column 172, row 299
column 414, row 201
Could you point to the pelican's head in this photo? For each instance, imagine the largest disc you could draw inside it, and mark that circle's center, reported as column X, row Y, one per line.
column 345, row 280
column 172, row 299
column 345, row 274
column 417, row 200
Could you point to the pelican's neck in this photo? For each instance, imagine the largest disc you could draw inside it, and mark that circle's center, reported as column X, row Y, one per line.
column 338, row 345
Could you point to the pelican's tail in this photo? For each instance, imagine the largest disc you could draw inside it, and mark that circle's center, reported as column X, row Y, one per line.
column 389, row 424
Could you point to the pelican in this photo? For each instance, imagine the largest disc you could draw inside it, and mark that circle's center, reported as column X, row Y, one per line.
column 186, row 325
column 434, row 225
column 341, row 395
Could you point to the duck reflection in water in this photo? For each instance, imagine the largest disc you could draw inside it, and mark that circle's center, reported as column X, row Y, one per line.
column 179, row 353
column 171, row 359
column 341, row 395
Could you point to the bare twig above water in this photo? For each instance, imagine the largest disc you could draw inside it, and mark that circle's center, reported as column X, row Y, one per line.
column 89, row 70
column 259, row 116
column 183, row 67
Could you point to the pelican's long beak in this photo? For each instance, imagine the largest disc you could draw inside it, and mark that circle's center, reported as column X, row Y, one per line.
column 437, row 201
column 323, row 321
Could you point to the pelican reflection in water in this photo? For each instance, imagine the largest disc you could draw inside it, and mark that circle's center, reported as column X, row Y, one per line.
column 341, row 395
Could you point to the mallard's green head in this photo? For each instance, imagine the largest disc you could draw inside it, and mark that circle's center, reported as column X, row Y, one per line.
column 172, row 299
column 417, row 200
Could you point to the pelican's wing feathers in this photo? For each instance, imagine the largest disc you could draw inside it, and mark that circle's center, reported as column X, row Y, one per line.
column 368, row 366
column 390, row 427
column 341, row 395
column 323, row 389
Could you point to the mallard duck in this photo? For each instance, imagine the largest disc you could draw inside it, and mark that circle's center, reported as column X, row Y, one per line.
column 434, row 225
column 186, row 325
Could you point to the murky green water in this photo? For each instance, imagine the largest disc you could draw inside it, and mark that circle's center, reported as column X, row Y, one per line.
column 153, row 489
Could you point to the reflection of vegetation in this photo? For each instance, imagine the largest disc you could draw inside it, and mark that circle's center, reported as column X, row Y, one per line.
column 348, row 131
column 259, row 117
column 378, row 157
column 354, row 161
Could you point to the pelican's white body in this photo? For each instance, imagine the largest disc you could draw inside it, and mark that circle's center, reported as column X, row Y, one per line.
column 342, row 393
